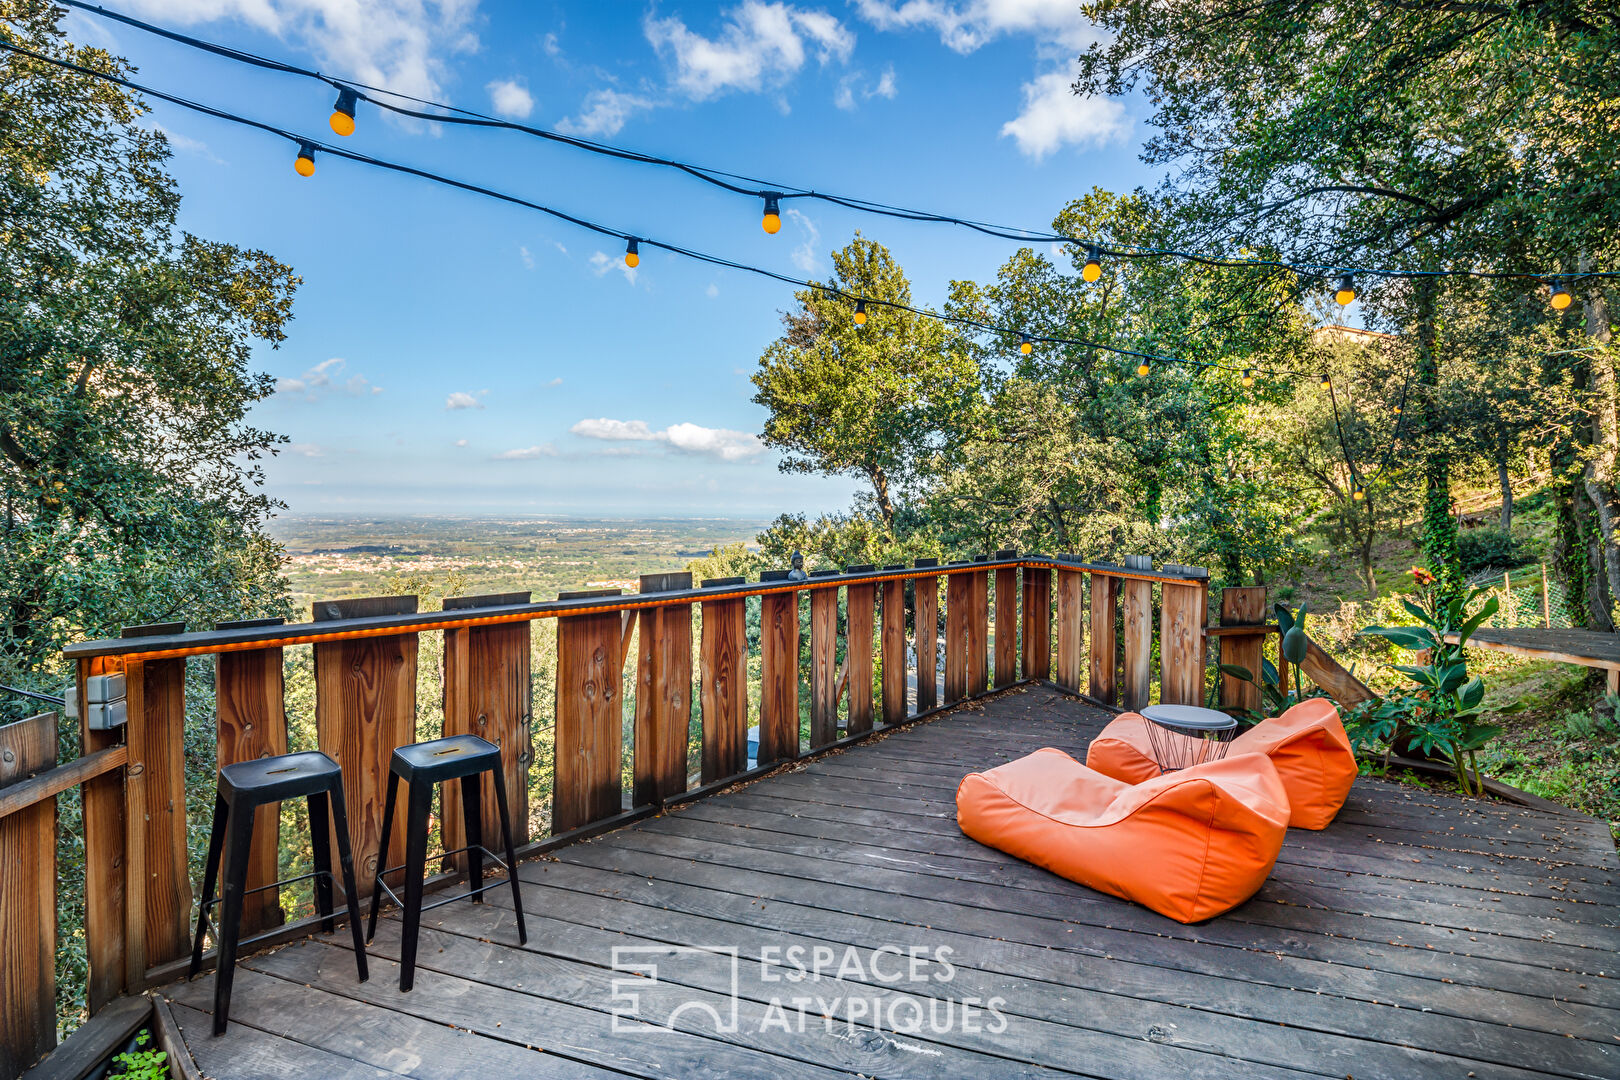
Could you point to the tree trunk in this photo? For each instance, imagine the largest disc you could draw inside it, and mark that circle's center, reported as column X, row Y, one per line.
column 880, row 489
column 1600, row 477
column 1439, row 527
column 1507, row 495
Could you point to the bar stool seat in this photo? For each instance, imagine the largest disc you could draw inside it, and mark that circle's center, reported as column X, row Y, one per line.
column 463, row 758
column 243, row 788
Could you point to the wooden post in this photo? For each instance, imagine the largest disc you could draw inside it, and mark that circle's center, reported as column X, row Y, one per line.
column 1037, row 636
column 1242, row 606
column 1181, row 640
column 104, row 844
column 251, row 716
column 1104, row 608
column 823, row 666
column 1137, row 601
column 1006, row 625
column 365, row 707
column 1546, row 608
column 663, row 694
column 958, row 602
column 978, row 632
column 724, row 668
column 157, row 907
column 860, row 601
column 589, row 728
column 893, row 636
column 486, row 693
column 1071, row 631
column 1509, row 609
column 925, row 603
column 27, row 901
column 779, row 673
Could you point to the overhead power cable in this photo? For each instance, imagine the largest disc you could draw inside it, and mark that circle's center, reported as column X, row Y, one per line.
column 768, row 192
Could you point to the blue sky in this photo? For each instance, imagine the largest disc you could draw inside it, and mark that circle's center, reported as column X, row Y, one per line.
column 452, row 354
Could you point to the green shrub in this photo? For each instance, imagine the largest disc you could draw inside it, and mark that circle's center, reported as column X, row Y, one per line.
column 1493, row 549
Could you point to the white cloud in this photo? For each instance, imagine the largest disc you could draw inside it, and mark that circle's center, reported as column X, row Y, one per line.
column 971, row 24
column 1054, row 116
column 602, row 262
column 324, row 379
column 528, row 453
column 712, row 291
column 400, row 44
column 604, row 112
column 307, row 449
column 460, row 399
column 804, row 256
column 510, row 98
column 461, row 442
column 761, row 46
column 850, row 85
column 187, row 145
column 526, row 256
column 688, row 438
column 555, row 382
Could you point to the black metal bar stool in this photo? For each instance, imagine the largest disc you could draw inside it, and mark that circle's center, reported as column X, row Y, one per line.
column 243, row 788
column 422, row 765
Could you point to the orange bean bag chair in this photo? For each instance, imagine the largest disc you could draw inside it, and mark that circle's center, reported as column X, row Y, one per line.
column 1307, row 744
column 1190, row 844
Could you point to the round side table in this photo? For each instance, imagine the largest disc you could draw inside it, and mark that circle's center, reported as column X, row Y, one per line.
column 1186, row 735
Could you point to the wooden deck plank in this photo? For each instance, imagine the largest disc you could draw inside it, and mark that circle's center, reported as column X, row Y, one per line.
column 1420, row 935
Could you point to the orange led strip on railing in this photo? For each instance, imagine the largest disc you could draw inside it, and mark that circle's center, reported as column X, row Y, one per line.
column 209, row 642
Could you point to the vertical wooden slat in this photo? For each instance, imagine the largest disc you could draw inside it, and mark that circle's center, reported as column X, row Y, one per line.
column 894, row 650
column 823, row 666
column 486, row 693
column 663, row 693
column 1181, row 642
column 1071, row 632
column 588, row 732
column 1037, row 624
column 104, row 843
column 861, row 604
column 779, row 674
column 724, row 675
column 1242, row 606
column 978, row 632
column 1006, row 625
column 365, row 707
column 1136, row 601
column 1104, row 608
column 158, row 879
column 958, row 612
column 925, row 602
column 27, row 901
column 251, row 717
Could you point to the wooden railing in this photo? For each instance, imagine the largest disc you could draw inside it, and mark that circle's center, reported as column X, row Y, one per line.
column 1088, row 628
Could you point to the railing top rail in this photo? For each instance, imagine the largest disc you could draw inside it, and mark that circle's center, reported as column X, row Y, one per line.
column 239, row 638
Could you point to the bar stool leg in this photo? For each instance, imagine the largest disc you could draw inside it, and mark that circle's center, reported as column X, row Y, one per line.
column 382, row 854
column 216, row 846
column 320, row 840
column 472, row 827
column 416, row 828
column 351, row 895
column 511, row 857
column 230, row 921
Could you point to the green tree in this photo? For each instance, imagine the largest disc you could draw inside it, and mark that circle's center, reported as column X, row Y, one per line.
column 1419, row 135
column 128, row 471
column 861, row 400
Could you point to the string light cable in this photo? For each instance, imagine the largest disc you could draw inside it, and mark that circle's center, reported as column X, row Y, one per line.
column 308, row 148
column 350, row 91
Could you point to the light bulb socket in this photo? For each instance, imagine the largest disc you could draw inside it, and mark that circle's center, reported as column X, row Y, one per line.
column 346, row 101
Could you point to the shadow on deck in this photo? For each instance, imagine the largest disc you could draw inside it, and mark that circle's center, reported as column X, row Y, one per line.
column 1421, row 935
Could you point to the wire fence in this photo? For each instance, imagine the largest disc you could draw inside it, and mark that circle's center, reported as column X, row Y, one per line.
column 1536, row 601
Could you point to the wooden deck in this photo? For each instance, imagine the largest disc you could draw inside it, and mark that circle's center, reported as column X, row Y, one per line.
column 1420, row 936
column 1588, row 648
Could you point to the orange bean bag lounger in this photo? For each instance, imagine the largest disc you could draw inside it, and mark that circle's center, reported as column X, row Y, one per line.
column 1307, row 744
column 1190, row 844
